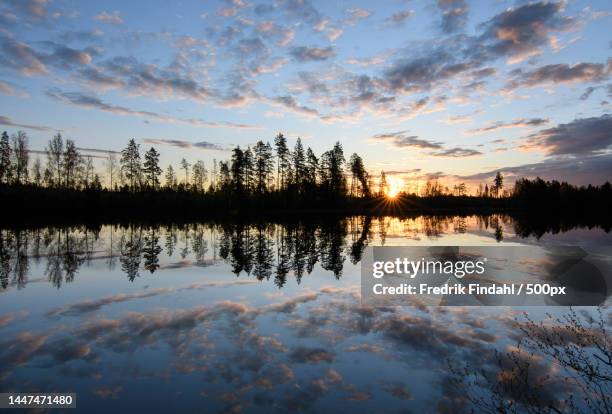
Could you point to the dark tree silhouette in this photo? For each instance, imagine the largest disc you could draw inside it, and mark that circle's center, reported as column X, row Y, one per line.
column 130, row 164
column 151, row 168
column 6, row 170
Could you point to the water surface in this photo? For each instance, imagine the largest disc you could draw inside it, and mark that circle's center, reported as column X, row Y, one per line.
column 227, row 317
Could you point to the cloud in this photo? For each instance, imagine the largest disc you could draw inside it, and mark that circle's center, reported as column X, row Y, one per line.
column 114, row 18
column 6, row 89
column 517, row 123
column 579, row 170
column 186, row 144
column 5, row 120
column 560, row 73
column 399, row 18
column 303, row 355
column 21, row 57
column 456, row 153
column 35, row 9
column 355, row 15
column 401, row 140
column 93, row 102
column 307, row 54
column 454, row 15
column 519, row 32
column 289, row 102
column 579, row 137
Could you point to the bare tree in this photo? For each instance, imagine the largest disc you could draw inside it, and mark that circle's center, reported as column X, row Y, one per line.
column 562, row 364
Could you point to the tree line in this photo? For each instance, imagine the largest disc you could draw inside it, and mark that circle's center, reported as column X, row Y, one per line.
column 256, row 170
column 266, row 175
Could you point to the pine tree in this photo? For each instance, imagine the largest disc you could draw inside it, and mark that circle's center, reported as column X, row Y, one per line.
column 237, row 170
column 185, row 166
column 264, row 165
column 299, row 164
column 21, row 157
column 55, row 152
column 151, row 168
column 71, row 164
column 130, row 163
column 283, row 161
column 382, row 184
column 37, row 173
column 248, row 169
column 199, row 174
column 171, row 181
column 312, row 167
column 5, row 159
column 498, row 184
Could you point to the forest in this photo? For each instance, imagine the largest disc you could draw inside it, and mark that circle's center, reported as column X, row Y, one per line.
column 264, row 178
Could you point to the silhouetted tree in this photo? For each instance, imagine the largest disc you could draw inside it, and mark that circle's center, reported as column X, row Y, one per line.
column 248, row 168
column 383, row 187
column 312, row 168
column 37, row 173
column 21, row 157
column 264, row 165
column 238, row 171
column 6, row 170
column 498, row 184
column 171, row 181
column 151, row 168
column 130, row 164
column 359, row 175
column 283, row 172
column 199, row 174
column 185, row 166
column 299, row 165
column 332, row 170
column 71, row 164
column 55, row 153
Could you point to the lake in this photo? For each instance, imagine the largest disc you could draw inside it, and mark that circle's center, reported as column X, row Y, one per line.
column 245, row 317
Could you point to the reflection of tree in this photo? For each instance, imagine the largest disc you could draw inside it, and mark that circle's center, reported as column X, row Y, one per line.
column 264, row 254
column 560, row 365
column 266, row 250
column 331, row 243
column 360, row 243
column 151, row 250
column 131, row 251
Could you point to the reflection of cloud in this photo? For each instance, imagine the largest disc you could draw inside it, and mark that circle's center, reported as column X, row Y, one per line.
column 303, row 355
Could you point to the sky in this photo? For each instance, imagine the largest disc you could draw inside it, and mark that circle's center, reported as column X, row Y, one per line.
column 448, row 89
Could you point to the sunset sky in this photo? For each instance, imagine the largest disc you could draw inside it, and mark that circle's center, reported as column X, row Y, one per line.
column 453, row 89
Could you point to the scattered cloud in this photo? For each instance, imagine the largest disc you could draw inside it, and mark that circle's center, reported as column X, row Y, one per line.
column 517, row 123
column 579, row 137
column 454, row 15
column 187, row 144
column 308, row 54
column 399, row 18
column 401, row 140
column 111, row 18
column 5, row 120
column 93, row 102
column 456, row 153
column 560, row 73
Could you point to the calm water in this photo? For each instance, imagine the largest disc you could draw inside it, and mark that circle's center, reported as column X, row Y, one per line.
column 241, row 318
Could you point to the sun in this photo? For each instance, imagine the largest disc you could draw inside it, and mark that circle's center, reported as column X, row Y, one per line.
column 396, row 185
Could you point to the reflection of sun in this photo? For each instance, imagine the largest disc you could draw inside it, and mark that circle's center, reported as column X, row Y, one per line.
column 396, row 185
